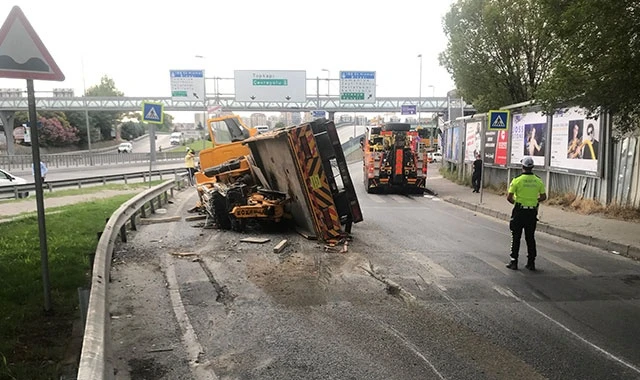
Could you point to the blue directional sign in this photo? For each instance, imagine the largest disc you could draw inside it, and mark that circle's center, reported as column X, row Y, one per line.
column 152, row 112
column 357, row 86
column 499, row 120
column 318, row 113
column 409, row 110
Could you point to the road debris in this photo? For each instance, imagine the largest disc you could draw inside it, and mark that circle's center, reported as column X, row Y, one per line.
column 255, row 240
column 280, row 246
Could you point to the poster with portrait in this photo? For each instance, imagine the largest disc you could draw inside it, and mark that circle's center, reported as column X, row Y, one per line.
column 575, row 142
column 528, row 137
column 473, row 140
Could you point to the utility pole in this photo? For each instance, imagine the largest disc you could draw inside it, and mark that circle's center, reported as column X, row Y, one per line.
column 420, row 91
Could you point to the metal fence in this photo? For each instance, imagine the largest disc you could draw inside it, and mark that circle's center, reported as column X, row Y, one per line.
column 617, row 181
column 24, row 161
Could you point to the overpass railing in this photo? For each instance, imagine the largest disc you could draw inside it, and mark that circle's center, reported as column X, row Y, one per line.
column 8, row 191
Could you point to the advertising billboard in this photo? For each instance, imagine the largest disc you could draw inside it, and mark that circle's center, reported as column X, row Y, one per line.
column 495, row 148
column 575, row 142
column 270, row 85
column 473, row 140
column 528, row 137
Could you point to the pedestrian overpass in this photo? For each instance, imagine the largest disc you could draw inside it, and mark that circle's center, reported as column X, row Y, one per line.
column 330, row 104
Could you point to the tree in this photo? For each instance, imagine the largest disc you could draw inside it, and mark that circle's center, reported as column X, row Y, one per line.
column 167, row 123
column 129, row 130
column 54, row 128
column 57, row 132
column 279, row 124
column 78, row 120
column 499, row 51
column 598, row 65
column 105, row 121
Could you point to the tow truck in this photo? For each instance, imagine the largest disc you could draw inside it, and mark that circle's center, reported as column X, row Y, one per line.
column 394, row 159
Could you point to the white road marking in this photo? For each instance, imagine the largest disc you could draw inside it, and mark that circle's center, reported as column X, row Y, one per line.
column 431, row 266
column 412, row 347
column 201, row 369
column 509, row 293
column 566, row 265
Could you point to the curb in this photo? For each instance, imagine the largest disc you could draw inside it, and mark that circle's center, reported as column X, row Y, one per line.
column 629, row 251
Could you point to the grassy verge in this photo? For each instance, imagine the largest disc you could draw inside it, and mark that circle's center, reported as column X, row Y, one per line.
column 32, row 344
column 572, row 202
column 196, row 146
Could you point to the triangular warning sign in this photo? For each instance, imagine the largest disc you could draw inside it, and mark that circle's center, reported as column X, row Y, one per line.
column 22, row 53
column 498, row 122
column 152, row 114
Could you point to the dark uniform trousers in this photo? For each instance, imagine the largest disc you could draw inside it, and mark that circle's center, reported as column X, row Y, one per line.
column 523, row 218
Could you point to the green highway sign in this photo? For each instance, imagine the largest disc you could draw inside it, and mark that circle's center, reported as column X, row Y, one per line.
column 270, row 82
column 178, row 93
column 352, row 96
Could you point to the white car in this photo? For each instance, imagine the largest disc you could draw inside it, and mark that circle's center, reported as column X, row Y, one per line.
column 435, row 156
column 125, row 147
column 8, row 179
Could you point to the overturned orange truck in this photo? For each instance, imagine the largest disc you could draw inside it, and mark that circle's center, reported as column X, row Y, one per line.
column 297, row 172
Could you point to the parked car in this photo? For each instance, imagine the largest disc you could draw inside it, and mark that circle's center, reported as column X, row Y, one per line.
column 125, row 147
column 8, row 179
column 434, row 157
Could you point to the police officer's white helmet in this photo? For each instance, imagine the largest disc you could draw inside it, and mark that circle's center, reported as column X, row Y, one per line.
column 527, row 162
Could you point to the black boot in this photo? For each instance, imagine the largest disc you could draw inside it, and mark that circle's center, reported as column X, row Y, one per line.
column 531, row 265
column 513, row 264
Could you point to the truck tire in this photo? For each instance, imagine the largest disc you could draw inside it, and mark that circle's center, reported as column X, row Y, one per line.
column 226, row 166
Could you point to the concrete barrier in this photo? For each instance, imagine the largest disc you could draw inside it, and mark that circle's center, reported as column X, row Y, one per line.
column 96, row 362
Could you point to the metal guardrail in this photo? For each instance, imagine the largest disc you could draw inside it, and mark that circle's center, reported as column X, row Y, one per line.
column 95, row 362
column 16, row 190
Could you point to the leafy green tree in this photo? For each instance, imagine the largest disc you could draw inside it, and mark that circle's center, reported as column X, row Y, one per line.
column 78, row 120
column 105, row 121
column 279, row 124
column 167, row 123
column 599, row 53
column 129, row 130
column 499, row 52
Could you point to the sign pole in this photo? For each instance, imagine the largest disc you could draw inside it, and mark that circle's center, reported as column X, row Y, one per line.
column 35, row 148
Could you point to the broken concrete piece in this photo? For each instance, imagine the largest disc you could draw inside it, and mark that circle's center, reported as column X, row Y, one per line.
column 184, row 254
column 255, row 240
column 280, row 246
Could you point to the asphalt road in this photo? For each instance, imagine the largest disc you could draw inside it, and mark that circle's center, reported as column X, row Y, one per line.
column 422, row 294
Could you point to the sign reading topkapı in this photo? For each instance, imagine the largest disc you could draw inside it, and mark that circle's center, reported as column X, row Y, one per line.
column 270, row 85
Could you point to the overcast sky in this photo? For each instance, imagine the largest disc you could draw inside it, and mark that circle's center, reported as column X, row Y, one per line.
column 137, row 42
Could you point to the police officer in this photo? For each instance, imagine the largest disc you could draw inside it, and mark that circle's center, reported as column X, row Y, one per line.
column 525, row 192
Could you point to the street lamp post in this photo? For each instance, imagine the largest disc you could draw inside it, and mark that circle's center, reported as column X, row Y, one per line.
column 86, row 115
column 420, row 91
column 328, row 81
column 204, row 100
